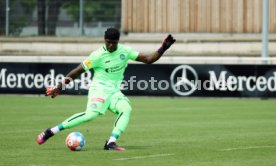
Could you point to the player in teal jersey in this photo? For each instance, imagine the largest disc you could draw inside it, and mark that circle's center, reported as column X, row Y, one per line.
column 109, row 63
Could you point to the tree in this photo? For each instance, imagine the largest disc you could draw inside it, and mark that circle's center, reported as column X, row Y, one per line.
column 20, row 15
column 72, row 8
column 41, row 19
column 2, row 16
column 50, row 23
column 107, row 10
column 53, row 13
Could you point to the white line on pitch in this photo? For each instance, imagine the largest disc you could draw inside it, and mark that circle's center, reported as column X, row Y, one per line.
column 142, row 157
column 246, row 148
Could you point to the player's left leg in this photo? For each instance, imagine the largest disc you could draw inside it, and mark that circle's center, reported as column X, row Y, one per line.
column 120, row 106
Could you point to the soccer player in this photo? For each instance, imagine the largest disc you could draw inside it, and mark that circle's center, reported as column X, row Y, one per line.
column 109, row 63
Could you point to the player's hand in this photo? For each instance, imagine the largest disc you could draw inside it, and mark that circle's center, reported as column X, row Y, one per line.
column 52, row 91
column 168, row 41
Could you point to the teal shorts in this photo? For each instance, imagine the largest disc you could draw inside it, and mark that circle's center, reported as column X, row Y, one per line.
column 100, row 101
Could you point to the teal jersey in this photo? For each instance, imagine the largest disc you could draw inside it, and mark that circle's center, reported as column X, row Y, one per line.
column 109, row 67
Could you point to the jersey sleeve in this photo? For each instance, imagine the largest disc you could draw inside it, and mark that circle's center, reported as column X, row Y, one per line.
column 132, row 54
column 90, row 62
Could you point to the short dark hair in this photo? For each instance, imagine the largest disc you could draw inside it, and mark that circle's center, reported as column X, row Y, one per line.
column 112, row 34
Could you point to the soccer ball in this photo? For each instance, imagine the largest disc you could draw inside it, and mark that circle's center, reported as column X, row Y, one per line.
column 75, row 141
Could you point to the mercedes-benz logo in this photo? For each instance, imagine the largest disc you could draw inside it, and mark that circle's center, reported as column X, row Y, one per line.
column 184, row 80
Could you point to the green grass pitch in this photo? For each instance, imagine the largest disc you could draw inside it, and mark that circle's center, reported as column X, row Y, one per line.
column 162, row 131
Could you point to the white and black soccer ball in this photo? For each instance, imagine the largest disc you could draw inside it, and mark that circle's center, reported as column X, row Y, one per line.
column 75, row 141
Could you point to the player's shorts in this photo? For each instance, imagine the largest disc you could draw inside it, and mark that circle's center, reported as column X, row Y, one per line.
column 100, row 101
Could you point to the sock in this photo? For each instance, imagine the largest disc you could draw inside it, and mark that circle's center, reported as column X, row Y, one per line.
column 55, row 130
column 122, row 120
column 112, row 138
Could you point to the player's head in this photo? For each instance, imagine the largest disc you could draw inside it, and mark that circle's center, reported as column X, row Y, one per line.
column 111, row 37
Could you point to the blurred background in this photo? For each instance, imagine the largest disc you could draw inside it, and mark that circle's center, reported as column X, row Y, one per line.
column 202, row 27
column 91, row 17
column 59, row 17
column 208, row 32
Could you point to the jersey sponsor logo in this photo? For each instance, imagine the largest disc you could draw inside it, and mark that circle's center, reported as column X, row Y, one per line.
column 114, row 69
column 98, row 99
column 87, row 63
column 122, row 57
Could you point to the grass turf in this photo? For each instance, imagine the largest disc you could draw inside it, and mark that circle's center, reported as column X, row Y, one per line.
column 162, row 131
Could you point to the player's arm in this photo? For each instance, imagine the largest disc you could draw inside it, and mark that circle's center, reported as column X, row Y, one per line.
column 53, row 91
column 151, row 58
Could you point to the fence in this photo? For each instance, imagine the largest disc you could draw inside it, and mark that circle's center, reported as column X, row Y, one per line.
column 58, row 17
column 211, row 16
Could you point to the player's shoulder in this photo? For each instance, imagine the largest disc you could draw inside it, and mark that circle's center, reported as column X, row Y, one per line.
column 97, row 53
column 124, row 47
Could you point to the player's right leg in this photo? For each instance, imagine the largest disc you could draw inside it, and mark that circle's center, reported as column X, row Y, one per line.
column 95, row 106
column 71, row 122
